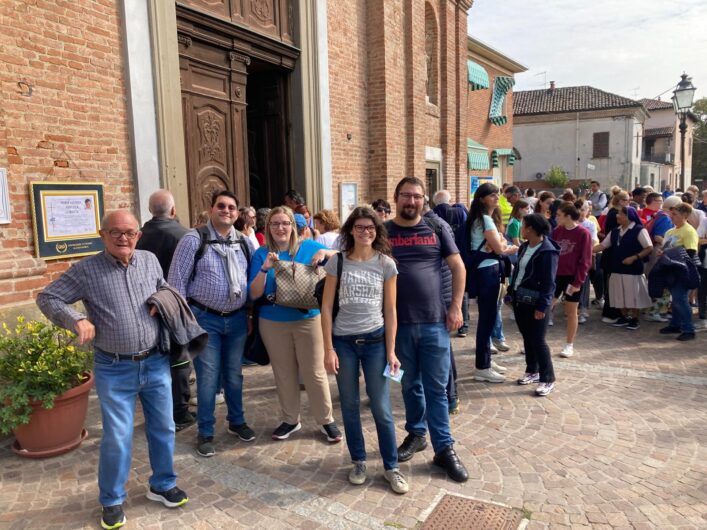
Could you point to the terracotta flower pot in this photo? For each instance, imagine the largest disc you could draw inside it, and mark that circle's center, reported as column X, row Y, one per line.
column 55, row 431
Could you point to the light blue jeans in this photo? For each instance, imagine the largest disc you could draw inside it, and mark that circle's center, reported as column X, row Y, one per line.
column 118, row 385
column 372, row 359
column 423, row 350
column 220, row 363
column 682, row 312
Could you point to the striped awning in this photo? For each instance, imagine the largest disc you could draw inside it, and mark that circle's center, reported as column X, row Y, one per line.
column 477, row 76
column 503, row 152
column 477, row 155
column 501, row 85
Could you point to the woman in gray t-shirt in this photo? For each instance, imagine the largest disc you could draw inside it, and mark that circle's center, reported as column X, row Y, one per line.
column 363, row 336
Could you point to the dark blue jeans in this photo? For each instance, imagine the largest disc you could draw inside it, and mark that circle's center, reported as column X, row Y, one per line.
column 371, row 357
column 423, row 350
column 488, row 285
column 682, row 312
column 220, row 363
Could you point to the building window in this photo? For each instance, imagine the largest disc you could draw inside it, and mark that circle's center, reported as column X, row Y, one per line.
column 601, row 145
column 431, row 54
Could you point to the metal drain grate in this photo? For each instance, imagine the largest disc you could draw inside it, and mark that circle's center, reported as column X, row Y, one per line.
column 458, row 513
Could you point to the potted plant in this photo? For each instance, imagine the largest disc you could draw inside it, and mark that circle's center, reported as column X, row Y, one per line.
column 44, row 386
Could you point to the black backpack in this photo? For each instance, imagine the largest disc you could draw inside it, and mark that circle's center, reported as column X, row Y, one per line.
column 203, row 232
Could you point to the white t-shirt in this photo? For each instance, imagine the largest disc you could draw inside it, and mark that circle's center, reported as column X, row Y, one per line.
column 329, row 240
column 523, row 263
column 254, row 240
column 477, row 236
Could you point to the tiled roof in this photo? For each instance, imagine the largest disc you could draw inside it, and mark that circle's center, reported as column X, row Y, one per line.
column 567, row 99
column 655, row 104
column 659, row 131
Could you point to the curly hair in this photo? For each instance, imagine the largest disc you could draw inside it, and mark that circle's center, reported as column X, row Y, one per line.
column 329, row 219
column 380, row 243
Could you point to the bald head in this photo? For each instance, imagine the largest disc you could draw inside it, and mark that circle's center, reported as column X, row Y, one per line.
column 162, row 204
column 118, row 217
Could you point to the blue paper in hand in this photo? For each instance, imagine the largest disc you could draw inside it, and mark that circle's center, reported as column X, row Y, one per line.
column 398, row 375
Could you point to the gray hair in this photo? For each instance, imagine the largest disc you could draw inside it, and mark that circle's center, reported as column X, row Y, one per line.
column 441, row 197
column 161, row 203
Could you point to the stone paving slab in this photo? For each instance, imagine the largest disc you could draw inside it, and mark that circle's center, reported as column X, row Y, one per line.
column 621, row 443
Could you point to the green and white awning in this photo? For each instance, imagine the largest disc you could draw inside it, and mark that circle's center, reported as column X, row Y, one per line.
column 477, row 155
column 501, row 86
column 503, row 152
column 477, row 76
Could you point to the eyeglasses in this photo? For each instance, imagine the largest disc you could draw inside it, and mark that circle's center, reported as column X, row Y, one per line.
column 224, row 206
column 360, row 229
column 117, row 234
column 380, row 209
column 283, row 224
column 408, row 195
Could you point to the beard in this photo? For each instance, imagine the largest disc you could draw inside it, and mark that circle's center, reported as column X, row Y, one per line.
column 409, row 212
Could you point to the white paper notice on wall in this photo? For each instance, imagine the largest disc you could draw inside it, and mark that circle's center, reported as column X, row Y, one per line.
column 4, row 197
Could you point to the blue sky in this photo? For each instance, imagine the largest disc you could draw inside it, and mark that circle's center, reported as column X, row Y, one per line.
column 635, row 48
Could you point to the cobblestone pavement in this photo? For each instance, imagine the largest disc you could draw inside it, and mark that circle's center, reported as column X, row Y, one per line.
column 621, row 443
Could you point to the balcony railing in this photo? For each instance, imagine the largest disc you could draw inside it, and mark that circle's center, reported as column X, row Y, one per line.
column 661, row 158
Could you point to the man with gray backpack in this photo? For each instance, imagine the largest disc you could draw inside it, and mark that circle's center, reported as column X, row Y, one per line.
column 210, row 270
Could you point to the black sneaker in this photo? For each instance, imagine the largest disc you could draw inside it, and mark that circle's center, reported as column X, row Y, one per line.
column 183, row 423
column 112, row 517
column 686, row 336
column 205, row 446
column 463, row 331
column 633, row 324
column 243, row 432
column 172, row 498
column 667, row 330
column 411, row 444
column 621, row 322
column 284, row 430
column 332, row 432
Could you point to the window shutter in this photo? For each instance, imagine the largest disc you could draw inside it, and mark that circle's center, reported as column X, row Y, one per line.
column 601, row 145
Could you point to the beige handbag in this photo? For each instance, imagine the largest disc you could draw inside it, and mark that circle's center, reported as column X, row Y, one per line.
column 296, row 284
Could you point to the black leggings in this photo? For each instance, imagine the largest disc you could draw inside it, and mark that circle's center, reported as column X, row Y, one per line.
column 537, row 352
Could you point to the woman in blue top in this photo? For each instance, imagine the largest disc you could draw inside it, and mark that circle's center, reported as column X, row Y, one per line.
column 483, row 226
column 292, row 337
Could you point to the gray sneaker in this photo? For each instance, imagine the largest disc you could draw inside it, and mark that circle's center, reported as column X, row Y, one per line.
column 205, row 446
column 700, row 325
column 357, row 475
column 396, row 480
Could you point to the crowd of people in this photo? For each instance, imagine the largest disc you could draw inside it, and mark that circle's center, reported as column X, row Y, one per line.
column 397, row 286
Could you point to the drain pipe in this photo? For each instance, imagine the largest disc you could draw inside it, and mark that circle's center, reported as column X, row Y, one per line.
column 576, row 148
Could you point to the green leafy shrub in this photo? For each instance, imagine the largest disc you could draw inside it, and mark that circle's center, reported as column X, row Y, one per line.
column 556, row 177
column 38, row 362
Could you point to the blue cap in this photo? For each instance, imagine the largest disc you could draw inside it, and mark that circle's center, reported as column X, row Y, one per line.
column 300, row 221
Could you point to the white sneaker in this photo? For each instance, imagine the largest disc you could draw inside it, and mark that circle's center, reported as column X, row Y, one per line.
column 489, row 375
column 543, row 389
column 700, row 325
column 567, row 351
column 500, row 345
column 607, row 320
column 357, row 475
column 493, row 349
column 220, row 398
column 397, row 481
column 498, row 368
column 655, row 317
column 582, row 319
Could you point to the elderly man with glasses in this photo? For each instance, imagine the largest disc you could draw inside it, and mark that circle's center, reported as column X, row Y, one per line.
column 114, row 287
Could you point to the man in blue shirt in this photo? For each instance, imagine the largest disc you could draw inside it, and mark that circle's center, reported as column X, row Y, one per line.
column 422, row 341
column 216, row 289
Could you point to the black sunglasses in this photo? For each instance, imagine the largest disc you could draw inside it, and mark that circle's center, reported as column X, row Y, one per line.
column 380, row 209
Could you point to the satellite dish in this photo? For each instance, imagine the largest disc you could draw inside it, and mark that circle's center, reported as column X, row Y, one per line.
column 538, row 176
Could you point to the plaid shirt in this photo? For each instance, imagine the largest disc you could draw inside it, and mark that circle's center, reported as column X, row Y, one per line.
column 115, row 299
column 210, row 284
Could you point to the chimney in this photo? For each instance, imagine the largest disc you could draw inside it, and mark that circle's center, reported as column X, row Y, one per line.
column 552, row 87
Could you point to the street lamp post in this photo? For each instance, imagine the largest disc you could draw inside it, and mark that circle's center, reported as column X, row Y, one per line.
column 682, row 103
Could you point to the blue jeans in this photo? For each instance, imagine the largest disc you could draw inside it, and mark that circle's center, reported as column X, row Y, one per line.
column 423, row 350
column 488, row 286
column 118, row 385
column 372, row 359
column 682, row 312
column 497, row 331
column 220, row 363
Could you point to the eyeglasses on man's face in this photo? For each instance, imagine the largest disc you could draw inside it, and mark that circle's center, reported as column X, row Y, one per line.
column 224, row 206
column 360, row 229
column 407, row 196
column 117, row 234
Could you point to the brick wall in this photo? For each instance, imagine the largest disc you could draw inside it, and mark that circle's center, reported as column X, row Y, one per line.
column 479, row 126
column 377, row 84
column 63, row 118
